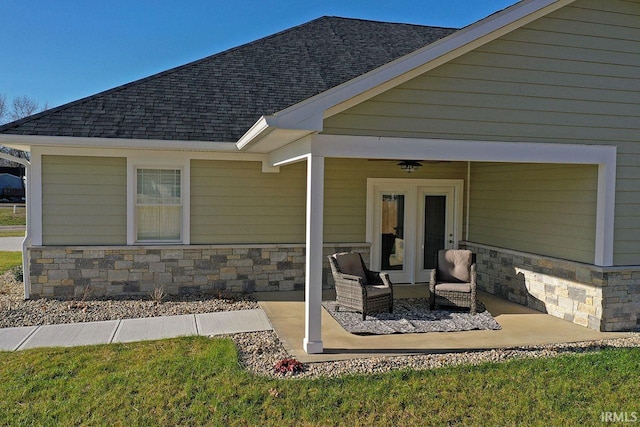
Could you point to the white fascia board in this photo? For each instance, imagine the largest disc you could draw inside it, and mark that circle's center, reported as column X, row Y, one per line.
column 262, row 127
column 277, row 139
column 229, row 155
column 25, row 142
column 115, row 152
column 272, row 133
column 355, row 91
column 373, row 147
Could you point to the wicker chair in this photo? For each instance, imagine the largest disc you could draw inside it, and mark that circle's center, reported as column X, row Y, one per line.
column 358, row 288
column 453, row 281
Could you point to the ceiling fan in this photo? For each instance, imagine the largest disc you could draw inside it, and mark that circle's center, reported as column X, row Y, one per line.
column 409, row 165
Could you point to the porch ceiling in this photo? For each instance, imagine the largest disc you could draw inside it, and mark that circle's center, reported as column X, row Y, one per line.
column 343, row 146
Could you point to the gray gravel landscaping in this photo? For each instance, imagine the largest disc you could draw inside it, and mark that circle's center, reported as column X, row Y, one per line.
column 258, row 351
column 15, row 311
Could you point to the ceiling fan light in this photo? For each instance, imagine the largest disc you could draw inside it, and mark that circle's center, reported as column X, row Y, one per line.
column 409, row 165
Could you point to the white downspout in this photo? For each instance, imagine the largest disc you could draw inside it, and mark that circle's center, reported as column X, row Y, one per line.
column 27, row 236
column 468, row 199
column 26, row 266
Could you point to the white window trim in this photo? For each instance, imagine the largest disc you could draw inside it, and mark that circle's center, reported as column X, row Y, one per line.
column 172, row 161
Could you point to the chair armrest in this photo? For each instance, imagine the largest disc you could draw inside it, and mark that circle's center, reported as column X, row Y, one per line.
column 384, row 277
column 378, row 278
column 351, row 278
column 432, row 280
column 474, row 276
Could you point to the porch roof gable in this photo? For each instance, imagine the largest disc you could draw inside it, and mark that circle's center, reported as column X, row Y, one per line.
column 283, row 127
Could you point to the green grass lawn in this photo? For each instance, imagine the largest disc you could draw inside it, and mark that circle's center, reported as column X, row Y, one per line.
column 196, row 381
column 9, row 260
column 11, row 233
column 7, row 217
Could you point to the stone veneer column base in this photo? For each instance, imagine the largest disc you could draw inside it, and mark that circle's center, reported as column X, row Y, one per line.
column 68, row 271
column 601, row 298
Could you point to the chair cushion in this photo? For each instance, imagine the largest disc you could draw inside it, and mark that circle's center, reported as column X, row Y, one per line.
column 375, row 290
column 351, row 263
column 454, row 287
column 454, row 265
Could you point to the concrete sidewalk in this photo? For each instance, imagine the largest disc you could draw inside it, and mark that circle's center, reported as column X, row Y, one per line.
column 130, row 330
column 11, row 244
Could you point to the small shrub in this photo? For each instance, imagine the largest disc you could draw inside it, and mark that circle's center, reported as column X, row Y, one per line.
column 288, row 365
column 157, row 295
column 226, row 295
column 18, row 274
column 83, row 294
column 80, row 298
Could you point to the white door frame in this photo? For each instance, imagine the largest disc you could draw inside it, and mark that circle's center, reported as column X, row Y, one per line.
column 451, row 239
column 456, row 186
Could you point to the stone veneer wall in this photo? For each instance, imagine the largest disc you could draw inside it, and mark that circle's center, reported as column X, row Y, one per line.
column 65, row 272
column 601, row 298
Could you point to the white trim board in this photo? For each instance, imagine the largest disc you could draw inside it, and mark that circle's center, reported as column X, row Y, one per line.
column 169, row 155
column 34, row 198
column 24, row 142
column 374, row 147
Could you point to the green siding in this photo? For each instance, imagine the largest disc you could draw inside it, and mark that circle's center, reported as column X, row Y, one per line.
column 346, row 191
column 570, row 77
column 544, row 209
column 235, row 202
column 84, row 200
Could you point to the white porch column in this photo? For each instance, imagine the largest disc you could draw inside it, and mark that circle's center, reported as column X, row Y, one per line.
column 605, row 216
column 313, row 275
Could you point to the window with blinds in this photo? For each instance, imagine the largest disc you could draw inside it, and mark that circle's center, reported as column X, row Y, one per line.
column 158, row 205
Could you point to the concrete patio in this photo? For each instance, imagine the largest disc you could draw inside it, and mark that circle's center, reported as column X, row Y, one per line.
column 521, row 326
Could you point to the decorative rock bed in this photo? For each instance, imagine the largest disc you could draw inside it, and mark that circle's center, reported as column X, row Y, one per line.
column 259, row 351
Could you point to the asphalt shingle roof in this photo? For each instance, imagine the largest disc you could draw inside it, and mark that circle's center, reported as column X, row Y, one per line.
column 219, row 97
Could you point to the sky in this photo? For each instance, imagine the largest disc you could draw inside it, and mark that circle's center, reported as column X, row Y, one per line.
column 58, row 51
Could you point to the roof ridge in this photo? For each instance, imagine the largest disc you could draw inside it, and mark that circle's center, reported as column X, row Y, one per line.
column 376, row 21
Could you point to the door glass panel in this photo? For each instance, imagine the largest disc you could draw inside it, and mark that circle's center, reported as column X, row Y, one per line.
column 392, row 230
column 434, row 228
